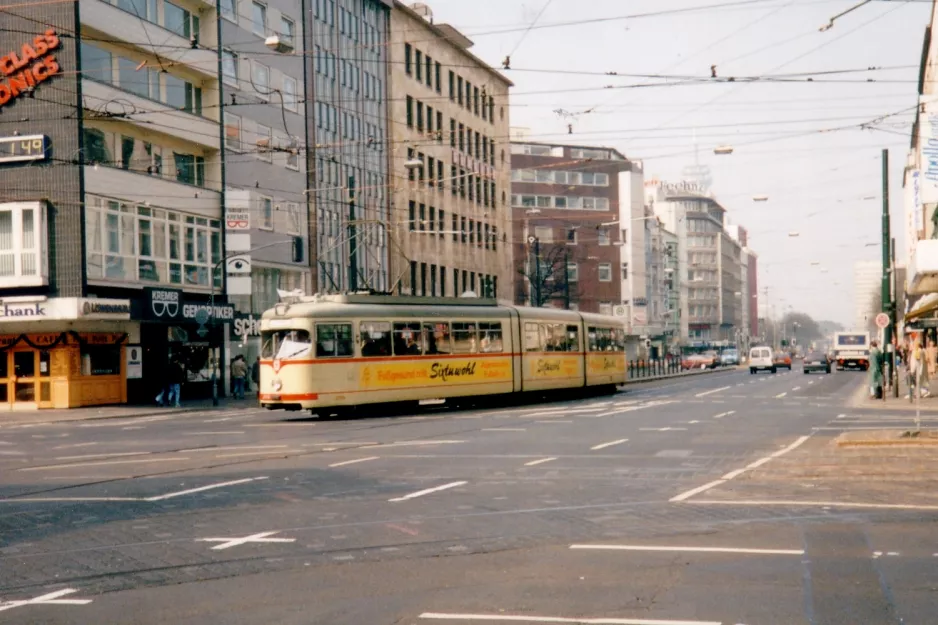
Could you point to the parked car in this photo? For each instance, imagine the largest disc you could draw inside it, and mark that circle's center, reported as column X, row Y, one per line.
column 816, row 361
column 705, row 360
column 782, row 360
column 760, row 359
column 729, row 358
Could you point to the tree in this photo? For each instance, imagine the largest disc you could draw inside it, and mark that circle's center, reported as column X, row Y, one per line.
column 804, row 332
column 547, row 281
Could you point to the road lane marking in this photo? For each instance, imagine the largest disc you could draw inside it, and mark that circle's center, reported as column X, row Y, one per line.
column 233, row 448
column 412, row 444
column 212, row 433
column 200, row 489
column 112, row 455
column 797, row 388
column 696, row 491
column 52, row 467
column 68, row 499
column 355, row 461
column 134, row 427
column 74, row 446
column 666, row 429
column 780, row 395
column 828, row 504
column 693, row 422
column 242, row 454
column 261, row 537
column 51, row 598
column 218, row 420
column 778, row 552
column 555, row 421
column 716, row 390
column 511, row 618
column 400, row 528
column 724, row 414
column 504, row 430
column 609, row 444
column 534, row 463
column 427, row 491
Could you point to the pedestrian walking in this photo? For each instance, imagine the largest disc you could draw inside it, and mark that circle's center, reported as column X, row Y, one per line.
column 876, row 371
column 256, row 375
column 239, row 370
column 917, row 369
column 177, row 375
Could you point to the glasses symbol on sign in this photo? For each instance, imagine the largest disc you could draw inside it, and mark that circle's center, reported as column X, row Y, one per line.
column 237, row 224
column 169, row 309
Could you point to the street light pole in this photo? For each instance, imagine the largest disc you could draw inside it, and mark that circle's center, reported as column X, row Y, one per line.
column 888, row 306
column 352, row 243
column 566, row 279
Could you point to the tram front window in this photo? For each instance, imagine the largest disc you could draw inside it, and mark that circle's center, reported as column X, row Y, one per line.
column 285, row 344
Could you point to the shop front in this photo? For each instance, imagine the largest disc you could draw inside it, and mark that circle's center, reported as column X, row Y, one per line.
column 63, row 352
column 177, row 329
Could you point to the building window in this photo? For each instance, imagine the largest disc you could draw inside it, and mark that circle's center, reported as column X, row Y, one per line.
column 439, row 70
column 475, row 100
column 410, row 112
column 625, row 271
column 605, row 308
column 229, row 68
column 544, row 234
column 459, row 90
column 22, row 244
column 289, row 93
column 228, row 10
column 418, row 63
column 232, row 132
column 452, row 86
column 264, row 142
column 179, row 21
column 420, row 116
column 429, row 74
column 412, row 216
column 266, row 212
column 259, row 18
column 260, row 77
column 287, row 31
column 408, row 61
column 573, row 272
column 571, row 236
column 293, row 154
column 294, row 219
column 605, row 272
column 603, row 236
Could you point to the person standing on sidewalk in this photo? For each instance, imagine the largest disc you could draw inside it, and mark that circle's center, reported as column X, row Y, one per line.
column 931, row 361
column 239, row 370
column 256, row 375
column 177, row 375
column 876, row 371
column 918, row 369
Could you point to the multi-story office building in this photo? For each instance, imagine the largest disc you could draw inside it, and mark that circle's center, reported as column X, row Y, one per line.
column 867, row 293
column 346, row 102
column 662, row 311
column 579, row 238
column 449, row 111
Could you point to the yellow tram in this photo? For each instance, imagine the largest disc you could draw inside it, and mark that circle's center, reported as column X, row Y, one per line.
column 329, row 352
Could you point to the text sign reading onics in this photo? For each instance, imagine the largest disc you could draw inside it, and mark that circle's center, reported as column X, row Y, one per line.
column 22, row 70
column 29, row 148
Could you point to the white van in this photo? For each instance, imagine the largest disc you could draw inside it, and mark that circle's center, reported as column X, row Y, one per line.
column 761, row 358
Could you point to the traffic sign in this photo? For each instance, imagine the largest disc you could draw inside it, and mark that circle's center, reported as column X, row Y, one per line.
column 882, row 321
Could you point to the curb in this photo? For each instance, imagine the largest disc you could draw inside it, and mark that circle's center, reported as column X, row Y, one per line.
column 903, row 443
column 101, row 417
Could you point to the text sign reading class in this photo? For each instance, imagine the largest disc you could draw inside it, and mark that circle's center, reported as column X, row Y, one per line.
column 23, row 69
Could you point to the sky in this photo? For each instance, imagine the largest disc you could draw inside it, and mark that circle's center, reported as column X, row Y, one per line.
column 635, row 75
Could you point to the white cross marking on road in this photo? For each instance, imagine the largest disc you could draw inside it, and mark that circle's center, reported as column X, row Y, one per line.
column 47, row 599
column 261, row 537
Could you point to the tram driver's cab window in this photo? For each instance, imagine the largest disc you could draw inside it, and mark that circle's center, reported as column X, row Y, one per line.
column 334, row 340
column 285, row 344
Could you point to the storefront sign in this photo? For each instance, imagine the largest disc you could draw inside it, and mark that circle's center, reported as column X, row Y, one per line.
column 163, row 304
column 425, row 373
column 24, row 69
column 247, row 326
column 22, row 311
column 224, row 312
column 104, row 308
column 134, row 362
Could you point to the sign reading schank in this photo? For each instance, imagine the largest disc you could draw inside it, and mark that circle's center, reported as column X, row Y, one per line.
column 15, row 311
column 24, row 69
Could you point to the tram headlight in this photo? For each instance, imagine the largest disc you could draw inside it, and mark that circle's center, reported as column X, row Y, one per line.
column 276, row 384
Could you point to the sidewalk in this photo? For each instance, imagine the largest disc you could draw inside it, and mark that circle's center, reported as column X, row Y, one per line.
column 861, row 399
column 38, row 417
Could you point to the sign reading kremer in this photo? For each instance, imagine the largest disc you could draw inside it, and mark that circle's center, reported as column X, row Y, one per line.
column 23, row 69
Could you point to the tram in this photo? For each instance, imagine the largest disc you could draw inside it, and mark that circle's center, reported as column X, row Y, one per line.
column 330, row 353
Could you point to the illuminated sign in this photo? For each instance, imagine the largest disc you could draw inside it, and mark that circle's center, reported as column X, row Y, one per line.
column 28, row 148
column 22, row 70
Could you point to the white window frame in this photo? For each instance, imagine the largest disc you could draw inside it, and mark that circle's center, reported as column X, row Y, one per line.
column 292, row 143
column 263, row 7
column 263, row 142
column 234, row 120
column 546, row 231
column 289, row 103
column 604, row 269
column 294, row 218
column 573, row 272
column 291, row 41
column 262, row 90
column 265, row 212
column 604, row 237
column 40, row 245
column 233, row 81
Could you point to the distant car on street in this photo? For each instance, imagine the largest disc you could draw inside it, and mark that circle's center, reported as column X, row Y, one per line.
column 816, row 361
column 729, row 358
column 782, row 360
column 760, row 359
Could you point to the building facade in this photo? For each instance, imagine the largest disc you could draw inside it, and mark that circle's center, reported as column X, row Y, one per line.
column 573, row 208
column 347, row 110
column 450, row 219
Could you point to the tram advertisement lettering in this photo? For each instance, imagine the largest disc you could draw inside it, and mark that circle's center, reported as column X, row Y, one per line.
column 406, row 374
column 556, row 367
column 606, row 364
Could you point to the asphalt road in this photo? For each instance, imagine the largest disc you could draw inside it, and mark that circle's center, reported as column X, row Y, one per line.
column 630, row 509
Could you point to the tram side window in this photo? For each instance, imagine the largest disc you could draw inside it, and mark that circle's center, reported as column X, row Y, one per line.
column 606, row 340
column 465, row 338
column 552, row 337
column 407, row 339
column 573, row 338
column 619, row 338
column 437, row 336
column 532, row 342
column 334, row 340
column 491, row 333
column 375, row 338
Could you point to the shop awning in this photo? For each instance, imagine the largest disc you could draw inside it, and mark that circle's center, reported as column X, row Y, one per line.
column 924, row 306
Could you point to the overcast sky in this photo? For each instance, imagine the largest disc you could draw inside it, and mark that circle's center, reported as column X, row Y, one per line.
column 816, row 181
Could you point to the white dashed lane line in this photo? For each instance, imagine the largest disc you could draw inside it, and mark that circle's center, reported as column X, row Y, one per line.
column 609, row 444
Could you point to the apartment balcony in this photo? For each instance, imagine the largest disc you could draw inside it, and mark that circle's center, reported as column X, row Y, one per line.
column 149, row 189
column 923, row 267
column 154, row 116
column 120, row 25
